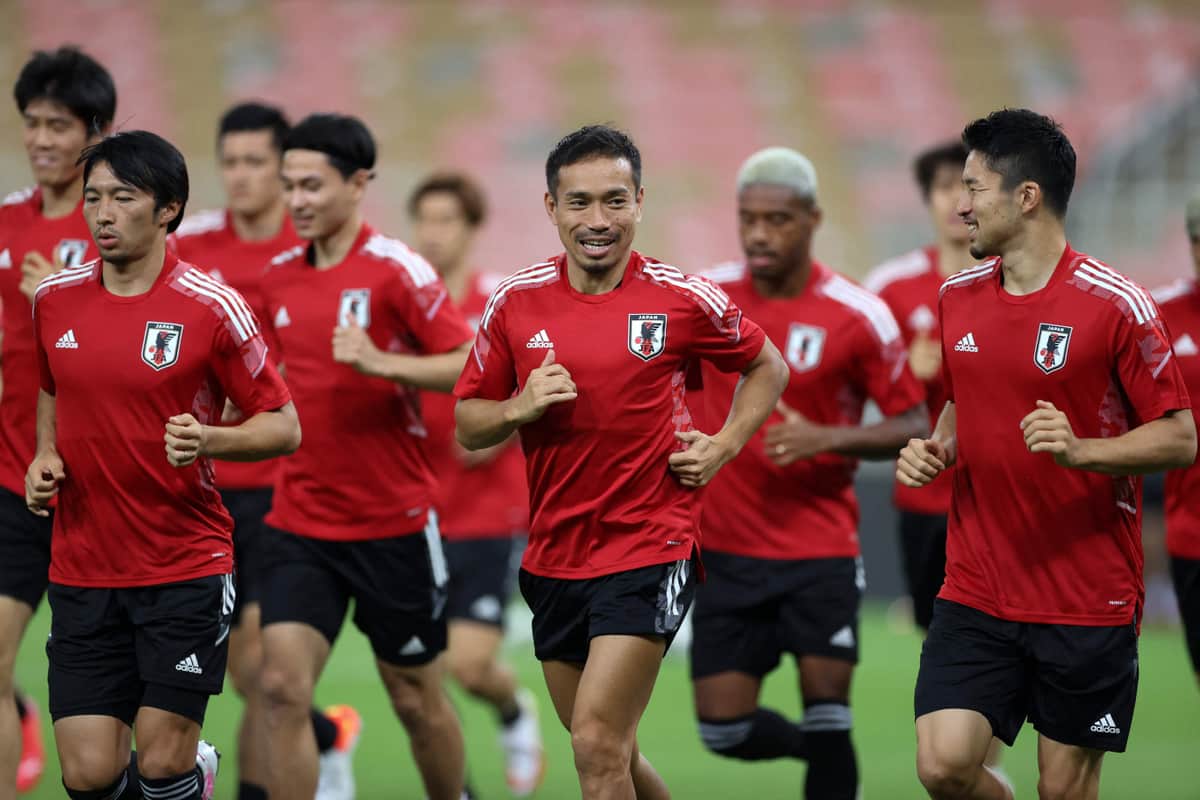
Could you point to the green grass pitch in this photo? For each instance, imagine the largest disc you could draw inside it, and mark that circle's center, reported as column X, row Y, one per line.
column 1163, row 761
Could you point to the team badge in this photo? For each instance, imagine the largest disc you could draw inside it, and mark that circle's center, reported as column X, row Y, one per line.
column 805, row 344
column 355, row 305
column 1050, row 353
column 70, row 252
column 160, row 346
column 647, row 335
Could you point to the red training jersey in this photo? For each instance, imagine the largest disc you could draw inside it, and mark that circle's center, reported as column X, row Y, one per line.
column 909, row 285
column 119, row 367
column 209, row 240
column 361, row 471
column 602, row 497
column 67, row 239
column 842, row 346
column 1180, row 304
column 483, row 502
column 1030, row 541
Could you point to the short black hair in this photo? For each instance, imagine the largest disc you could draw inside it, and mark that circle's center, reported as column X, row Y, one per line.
column 147, row 161
column 1023, row 145
column 73, row 78
column 927, row 164
column 592, row 141
column 255, row 117
column 345, row 140
column 465, row 190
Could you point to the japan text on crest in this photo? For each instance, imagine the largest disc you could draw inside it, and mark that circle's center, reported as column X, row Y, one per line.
column 1050, row 352
column 647, row 336
column 160, row 345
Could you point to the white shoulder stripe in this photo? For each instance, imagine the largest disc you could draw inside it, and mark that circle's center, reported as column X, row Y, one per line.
column 690, row 288
column 725, row 272
column 909, row 265
column 1113, row 288
column 201, row 222
column 19, row 196
column 1138, row 292
column 235, row 298
column 967, row 275
column 213, row 291
column 65, row 276
column 875, row 310
column 1172, row 291
column 419, row 270
column 709, row 292
column 527, row 276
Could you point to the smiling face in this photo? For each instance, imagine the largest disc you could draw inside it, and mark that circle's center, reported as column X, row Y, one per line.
column 776, row 228
column 122, row 218
column 53, row 138
column 992, row 213
column 596, row 209
column 319, row 199
column 250, row 166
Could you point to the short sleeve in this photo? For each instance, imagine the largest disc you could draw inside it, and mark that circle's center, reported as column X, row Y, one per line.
column 1146, row 364
column 721, row 334
column 883, row 371
column 429, row 315
column 244, row 371
column 491, row 371
column 947, row 382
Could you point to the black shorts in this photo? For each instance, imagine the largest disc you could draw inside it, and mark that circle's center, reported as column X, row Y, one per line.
column 750, row 611
column 24, row 550
column 568, row 613
column 398, row 586
column 247, row 507
column 1077, row 684
column 923, row 544
column 482, row 574
column 113, row 651
column 1185, row 573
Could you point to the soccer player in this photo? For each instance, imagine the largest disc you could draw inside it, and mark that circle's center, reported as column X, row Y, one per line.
column 483, row 500
column 136, row 349
column 782, row 556
column 909, row 285
column 362, row 323
column 1061, row 390
column 587, row 355
column 1180, row 304
column 67, row 101
column 237, row 243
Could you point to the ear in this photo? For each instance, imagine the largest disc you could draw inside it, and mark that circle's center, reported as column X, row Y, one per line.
column 550, row 205
column 359, row 180
column 817, row 216
column 639, row 198
column 168, row 212
column 1029, row 196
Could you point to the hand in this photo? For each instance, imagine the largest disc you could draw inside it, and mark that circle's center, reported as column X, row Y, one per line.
column 42, row 480
column 921, row 461
column 352, row 345
column 185, row 440
column 34, row 267
column 1047, row 430
column 547, row 385
column 699, row 463
column 796, row 438
column 924, row 356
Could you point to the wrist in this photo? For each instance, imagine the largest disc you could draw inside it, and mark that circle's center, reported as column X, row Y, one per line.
column 1081, row 453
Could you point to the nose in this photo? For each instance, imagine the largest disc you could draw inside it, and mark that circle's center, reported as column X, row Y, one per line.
column 295, row 199
column 104, row 211
column 963, row 206
column 41, row 136
column 756, row 233
column 597, row 220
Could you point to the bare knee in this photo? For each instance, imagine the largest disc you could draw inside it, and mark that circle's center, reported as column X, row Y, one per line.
column 470, row 672
column 89, row 767
column 167, row 756
column 1067, row 785
column 599, row 749
column 946, row 777
column 285, row 690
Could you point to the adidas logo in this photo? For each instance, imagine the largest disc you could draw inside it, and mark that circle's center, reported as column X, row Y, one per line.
column 1105, row 724
column 540, row 341
column 190, row 664
column 5, row 260
column 967, row 344
column 414, row 647
column 282, row 320
column 1186, row 346
column 843, row 638
column 67, row 341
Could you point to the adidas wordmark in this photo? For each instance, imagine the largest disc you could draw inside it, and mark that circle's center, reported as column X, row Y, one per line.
column 67, row 341
column 540, row 341
column 190, row 664
column 1105, row 724
column 967, row 344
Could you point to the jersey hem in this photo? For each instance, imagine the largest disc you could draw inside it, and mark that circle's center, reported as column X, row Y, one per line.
column 358, row 532
column 219, row 567
column 1009, row 614
column 811, row 555
column 584, row 573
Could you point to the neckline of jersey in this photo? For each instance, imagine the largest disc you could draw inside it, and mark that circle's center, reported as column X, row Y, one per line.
column 283, row 238
column 818, row 273
column 170, row 261
column 364, row 233
column 631, row 269
column 1060, row 272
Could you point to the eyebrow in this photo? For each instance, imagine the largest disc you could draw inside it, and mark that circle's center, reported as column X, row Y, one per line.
column 606, row 193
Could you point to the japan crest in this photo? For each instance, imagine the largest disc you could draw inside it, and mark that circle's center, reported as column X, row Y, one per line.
column 1050, row 353
column 355, row 305
column 70, row 252
column 160, row 345
column 647, row 335
column 804, row 346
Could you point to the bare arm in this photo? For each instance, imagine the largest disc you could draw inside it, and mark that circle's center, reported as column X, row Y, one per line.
column 1168, row 442
column 922, row 460
column 436, row 372
column 46, row 471
column 264, row 435
column 797, row 438
column 481, row 423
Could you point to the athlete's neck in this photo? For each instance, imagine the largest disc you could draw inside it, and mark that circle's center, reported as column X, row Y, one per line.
column 1031, row 258
column 457, row 278
column 789, row 284
column 331, row 250
column 59, row 201
column 586, row 282
column 132, row 278
column 262, row 226
column 954, row 256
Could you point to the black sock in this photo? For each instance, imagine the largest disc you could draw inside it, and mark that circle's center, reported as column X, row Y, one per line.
column 251, row 791
column 832, row 765
column 117, row 790
column 509, row 716
column 755, row 737
column 187, row 786
column 22, row 711
column 325, row 729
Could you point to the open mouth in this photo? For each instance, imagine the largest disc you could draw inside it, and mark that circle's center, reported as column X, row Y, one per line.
column 597, row 247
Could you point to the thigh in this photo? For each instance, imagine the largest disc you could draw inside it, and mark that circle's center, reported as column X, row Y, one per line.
column 734, row 624
column 1185, row 574
column 1068, row 771
column 481, row 578
column 182, row 638
column 24, row 551
column 1085, row 684
column 560, row 617
column 648, row 602
column 825, row 679
column 14, row 619
column 399, row 590
column 616, row 683
column 248, row 507
column 301, row 583
column 971, row 661
column 819, row 606
column 562, row 682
